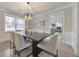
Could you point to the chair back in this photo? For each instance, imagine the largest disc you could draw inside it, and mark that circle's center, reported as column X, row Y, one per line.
column 20, row 42
column 50, row 43
column 53, row 43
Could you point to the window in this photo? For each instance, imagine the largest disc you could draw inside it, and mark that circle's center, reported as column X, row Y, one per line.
column 20, row 25
column 9, row 24
column 14, row 24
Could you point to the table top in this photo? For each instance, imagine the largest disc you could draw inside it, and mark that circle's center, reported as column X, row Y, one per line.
column 36, row 36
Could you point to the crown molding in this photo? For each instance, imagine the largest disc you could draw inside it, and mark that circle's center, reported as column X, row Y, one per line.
column 9, row 12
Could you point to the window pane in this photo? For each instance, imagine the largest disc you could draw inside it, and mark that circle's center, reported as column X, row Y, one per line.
column 9, row 23
column 20, row 26
column 14, row 25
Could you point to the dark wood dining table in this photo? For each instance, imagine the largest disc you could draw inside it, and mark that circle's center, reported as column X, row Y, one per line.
column 36, row 38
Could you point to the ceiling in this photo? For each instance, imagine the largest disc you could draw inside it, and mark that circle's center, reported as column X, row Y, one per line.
column 36, row 7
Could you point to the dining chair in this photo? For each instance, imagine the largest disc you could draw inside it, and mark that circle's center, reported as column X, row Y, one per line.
column 50, row 45
column 21, row 44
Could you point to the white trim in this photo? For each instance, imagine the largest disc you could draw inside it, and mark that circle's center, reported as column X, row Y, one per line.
column 9, row 12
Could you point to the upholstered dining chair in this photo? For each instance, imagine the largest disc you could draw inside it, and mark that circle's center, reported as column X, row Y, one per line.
column 21, row 44
column 50, row 44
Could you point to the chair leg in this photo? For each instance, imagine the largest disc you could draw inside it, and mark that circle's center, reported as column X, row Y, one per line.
column 56, row 54
column 19, row 54
column 29, row 54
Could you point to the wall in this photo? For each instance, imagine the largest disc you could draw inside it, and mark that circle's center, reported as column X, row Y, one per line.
column 67, row 26
column 77, row 52
column 42, row 24
column 3, row 36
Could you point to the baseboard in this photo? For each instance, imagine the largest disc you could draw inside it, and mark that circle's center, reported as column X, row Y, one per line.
column 68, row 45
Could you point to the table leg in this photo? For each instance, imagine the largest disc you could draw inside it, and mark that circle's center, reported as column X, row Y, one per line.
column 35, row 49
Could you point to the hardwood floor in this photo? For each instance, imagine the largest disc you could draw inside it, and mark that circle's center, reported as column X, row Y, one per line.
column 64, row 51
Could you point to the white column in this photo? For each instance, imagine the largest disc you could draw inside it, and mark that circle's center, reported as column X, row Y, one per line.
column 74, row 27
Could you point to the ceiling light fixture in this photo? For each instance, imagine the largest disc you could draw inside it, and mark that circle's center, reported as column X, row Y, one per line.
column 28, row 15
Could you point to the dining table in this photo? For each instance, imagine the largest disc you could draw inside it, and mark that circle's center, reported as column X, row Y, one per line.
column 36, row 38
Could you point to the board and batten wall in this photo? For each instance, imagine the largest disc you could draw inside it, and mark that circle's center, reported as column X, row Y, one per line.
column 67, row 26
column 3, row 35
column 71, row 27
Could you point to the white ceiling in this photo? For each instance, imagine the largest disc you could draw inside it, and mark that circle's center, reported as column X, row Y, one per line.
column 36, row 7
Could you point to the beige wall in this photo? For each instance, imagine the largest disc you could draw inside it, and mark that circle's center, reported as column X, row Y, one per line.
column 68, row 19
column 72, row 25
column 67, row 26
column 3, row 35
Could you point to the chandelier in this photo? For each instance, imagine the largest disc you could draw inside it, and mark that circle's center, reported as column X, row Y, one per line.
column 28, row 15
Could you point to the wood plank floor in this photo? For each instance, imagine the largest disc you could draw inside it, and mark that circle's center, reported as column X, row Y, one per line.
column 64, row 51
